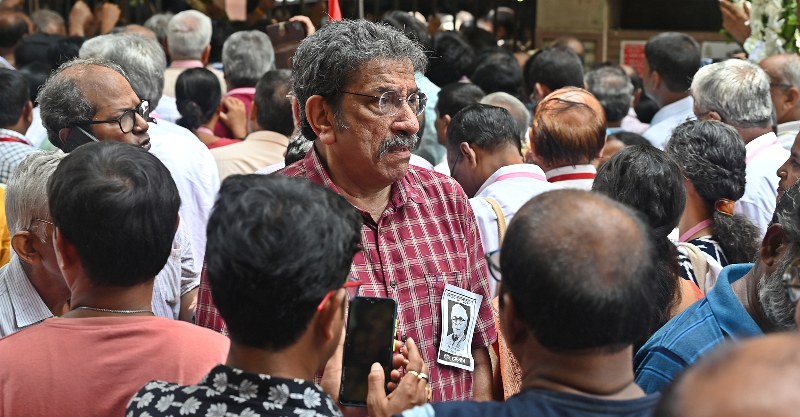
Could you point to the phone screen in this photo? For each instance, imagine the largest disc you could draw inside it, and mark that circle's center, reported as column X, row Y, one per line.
column 369, row 339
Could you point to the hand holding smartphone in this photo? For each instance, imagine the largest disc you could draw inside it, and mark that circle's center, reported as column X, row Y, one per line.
column 369, row 339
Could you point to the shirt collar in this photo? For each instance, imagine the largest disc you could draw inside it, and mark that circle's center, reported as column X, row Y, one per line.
column 402, row 190
column 792, row 126
column 571, row 169
column 530, row 171
column 677, row 108
column 733, row 319
column 267, row 136
column 251, row 91
column 14, row 134
column 186, row 63
column 29, row 308
column 760, row 144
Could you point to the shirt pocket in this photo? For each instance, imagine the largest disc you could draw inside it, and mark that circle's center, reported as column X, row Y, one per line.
column 435, row 284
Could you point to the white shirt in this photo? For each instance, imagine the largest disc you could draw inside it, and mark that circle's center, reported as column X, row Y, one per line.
column 36, row 133
column 631, row 123
column 787, row 132
column 666, row 119
column 580, row 177
column 512, row 186
column 167, row 110
column 764, row 156
column 195, row 173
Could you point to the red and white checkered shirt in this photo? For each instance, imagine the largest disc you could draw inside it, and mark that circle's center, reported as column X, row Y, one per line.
column 426, row 237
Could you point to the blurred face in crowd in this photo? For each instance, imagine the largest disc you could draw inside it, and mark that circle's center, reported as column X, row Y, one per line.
column 789, row 172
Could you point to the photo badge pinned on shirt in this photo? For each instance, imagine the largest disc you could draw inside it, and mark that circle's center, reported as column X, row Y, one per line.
column 459, row 315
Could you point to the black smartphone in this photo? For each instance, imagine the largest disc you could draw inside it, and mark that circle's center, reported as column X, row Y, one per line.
column 371, row 327
column 77, row 137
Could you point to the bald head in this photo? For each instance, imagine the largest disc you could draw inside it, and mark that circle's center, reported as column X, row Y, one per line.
column 760, row 377
column 569, row 128
column 784, row 76
column 597, row 300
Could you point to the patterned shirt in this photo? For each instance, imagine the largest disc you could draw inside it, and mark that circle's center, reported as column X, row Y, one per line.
column 694, row 332
column 14, row 147
column 425, row 238
column 709, row 246
column 229, row 391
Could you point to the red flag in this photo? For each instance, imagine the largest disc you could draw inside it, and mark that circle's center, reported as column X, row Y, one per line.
column 334, row 12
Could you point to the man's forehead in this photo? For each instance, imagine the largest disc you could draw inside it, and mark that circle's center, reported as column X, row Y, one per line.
column 384, row 71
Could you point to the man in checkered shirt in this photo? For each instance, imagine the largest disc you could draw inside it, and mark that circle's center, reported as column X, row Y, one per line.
column 358, row 101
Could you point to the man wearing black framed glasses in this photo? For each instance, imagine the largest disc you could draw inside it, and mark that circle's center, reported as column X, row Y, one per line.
column 89, row 100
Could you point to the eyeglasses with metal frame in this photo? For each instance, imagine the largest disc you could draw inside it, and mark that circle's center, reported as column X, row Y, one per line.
column 791, row 280
column 390, row 102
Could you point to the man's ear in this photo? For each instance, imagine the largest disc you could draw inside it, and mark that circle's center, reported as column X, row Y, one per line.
column 23, row 243
column 27, row 112
column 329, row 318
column 322, row 119
column 541, row 91
column 513, row 329
column 770, row 249
column 655, row 79
column 252, row 115
column 66, row 255
column 712, row 115
column 468, row 154
column 63, row 134
column 637, row 95
column 792, row 97
column 205, row 55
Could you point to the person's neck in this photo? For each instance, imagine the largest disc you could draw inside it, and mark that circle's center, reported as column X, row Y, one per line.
column 695, row 212
column 205, row 137
column 750, row 133
column 492, row 162
column 618, row 123
column 286, row 363
column 8, row 55
column 667, row 97
column 84, row 294
column 596, row 374
column 52, row 289
column 790, row 116
column 370, row 197
column 746, row 291
column 20, row 127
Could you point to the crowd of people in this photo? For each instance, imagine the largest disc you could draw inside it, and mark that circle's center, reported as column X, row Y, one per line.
column 181, row 235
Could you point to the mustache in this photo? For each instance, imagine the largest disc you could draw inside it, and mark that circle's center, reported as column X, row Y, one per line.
column 398, row 141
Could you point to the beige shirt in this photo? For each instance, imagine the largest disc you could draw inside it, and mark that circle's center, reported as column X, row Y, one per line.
column 177, row 67
column 258, row 150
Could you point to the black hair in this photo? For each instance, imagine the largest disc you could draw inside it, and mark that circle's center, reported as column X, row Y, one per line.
column 452, row 58
column 14, row 26
column 118, row 205
column 487, row 127
column 498, row 70
column 64, row 50
column 580, row 282
column 410, row 26
column 454, row 97
column 276, row 246
column 555, row 68
column 647, row 180
column 36, row 73
column 712, row 155
column 197, row 96
column 630, row 138
column 478, row 38
column 274, row 110
column 15, row 92
column 676, row 57
column 613, row 89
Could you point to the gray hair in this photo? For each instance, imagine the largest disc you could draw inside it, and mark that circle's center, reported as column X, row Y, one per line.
column 61, row 100
column 45, row 21
column 246, row 56
column 26, row 191
column 735, row 89
column 158, row 24
column 520, row 113
column 613, row 89
column 141, row 58
column 188, row 35
column 327, row 60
